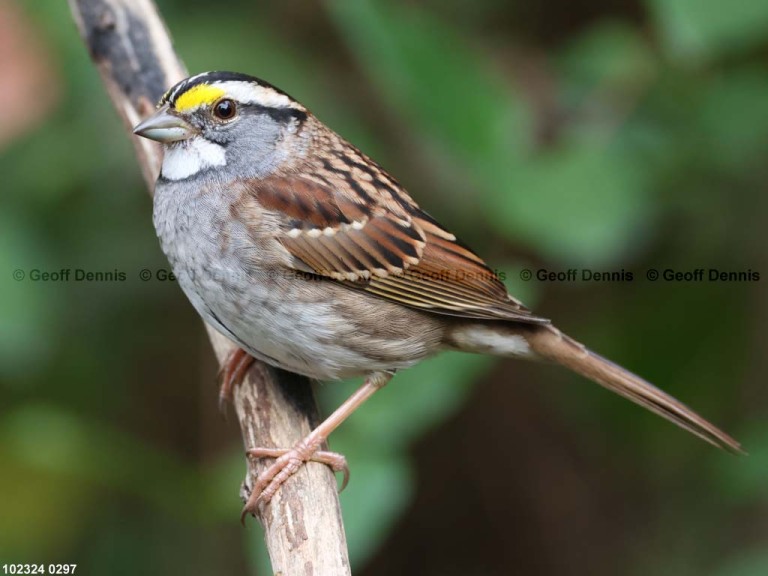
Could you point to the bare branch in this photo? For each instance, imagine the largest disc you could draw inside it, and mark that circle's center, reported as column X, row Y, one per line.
column 132, row 50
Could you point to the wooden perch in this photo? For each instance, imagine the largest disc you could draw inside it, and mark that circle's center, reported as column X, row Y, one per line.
column 132, row 50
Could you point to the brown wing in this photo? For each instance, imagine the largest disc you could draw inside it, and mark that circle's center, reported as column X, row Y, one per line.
column 337, row 236
column 363, row 230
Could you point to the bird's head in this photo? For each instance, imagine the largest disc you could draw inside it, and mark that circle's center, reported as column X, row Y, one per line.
column 202, row 119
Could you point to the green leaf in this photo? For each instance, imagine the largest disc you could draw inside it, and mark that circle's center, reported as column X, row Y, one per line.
column 733, row 118
column 582, row 203
column 426, row 71
column 701, row 30
column 609, row 56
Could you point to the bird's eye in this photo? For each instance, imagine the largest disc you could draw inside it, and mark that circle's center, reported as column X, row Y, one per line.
column 224, row 109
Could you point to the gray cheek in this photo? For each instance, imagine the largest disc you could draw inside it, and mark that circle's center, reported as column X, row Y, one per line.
column 255, row 147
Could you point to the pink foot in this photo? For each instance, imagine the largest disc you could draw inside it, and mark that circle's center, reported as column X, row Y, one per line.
column 287, row 463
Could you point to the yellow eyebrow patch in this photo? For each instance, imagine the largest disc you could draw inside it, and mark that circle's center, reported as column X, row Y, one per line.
column 197, row 96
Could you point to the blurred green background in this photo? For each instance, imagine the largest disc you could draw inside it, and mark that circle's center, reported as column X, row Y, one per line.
column 568, row 134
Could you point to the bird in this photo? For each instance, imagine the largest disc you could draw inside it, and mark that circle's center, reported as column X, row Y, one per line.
column 312, row 258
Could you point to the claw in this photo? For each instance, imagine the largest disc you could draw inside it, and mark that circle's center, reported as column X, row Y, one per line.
column 231, row 375
column 287, row 463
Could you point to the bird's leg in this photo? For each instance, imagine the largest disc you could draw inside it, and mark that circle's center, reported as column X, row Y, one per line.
column 289, row 461
column 232, row 373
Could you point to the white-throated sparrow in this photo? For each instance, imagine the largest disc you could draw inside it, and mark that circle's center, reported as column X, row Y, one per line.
column 310, row 257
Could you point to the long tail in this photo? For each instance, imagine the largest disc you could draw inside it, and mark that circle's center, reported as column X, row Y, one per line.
column 549, row 343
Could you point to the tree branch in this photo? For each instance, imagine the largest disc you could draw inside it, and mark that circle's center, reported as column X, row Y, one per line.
column 304, row 532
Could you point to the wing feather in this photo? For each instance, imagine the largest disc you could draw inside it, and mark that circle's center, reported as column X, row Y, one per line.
column 382, row 243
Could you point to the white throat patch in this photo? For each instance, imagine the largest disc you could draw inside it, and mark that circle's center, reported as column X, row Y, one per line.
column 187, row 158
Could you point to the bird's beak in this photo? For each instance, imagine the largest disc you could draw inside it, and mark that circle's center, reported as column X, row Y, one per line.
column 164, row 126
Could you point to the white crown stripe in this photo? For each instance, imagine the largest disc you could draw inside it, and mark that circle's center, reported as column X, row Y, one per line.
column 250, row 93
column 247, row 91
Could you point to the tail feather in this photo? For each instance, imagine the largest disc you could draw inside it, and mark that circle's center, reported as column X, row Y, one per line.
column 549, row 343
column 552, row 344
